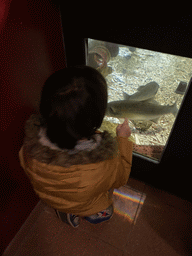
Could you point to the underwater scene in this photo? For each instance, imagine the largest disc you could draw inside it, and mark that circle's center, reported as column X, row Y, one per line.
column 145, row 86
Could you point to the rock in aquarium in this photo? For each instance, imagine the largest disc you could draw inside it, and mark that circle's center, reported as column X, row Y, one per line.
column 181, row 88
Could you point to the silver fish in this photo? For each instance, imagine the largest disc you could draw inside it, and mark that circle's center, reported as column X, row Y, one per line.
column 139, row 110
column 145, row 92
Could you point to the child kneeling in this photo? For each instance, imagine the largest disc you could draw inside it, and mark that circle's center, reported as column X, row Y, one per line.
column 72, row 166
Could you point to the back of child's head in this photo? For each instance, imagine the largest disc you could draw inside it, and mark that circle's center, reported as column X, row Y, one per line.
column 73, row 104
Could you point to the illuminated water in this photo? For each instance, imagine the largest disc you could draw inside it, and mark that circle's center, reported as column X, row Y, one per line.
column 128, row 70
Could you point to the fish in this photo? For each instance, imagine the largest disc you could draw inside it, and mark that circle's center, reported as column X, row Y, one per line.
column 144, row 92
column 139, row 110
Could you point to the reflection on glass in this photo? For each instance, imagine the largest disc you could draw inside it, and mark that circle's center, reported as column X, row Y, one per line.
column 145, row 86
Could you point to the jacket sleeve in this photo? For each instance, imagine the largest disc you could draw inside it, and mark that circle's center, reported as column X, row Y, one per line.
column 123, row 162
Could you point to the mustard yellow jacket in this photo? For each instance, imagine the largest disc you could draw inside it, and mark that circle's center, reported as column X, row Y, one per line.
column 75, row 181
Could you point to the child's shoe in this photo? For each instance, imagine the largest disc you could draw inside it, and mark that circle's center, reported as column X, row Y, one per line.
column 73, row 220
column 101, row 216
column 69, row 218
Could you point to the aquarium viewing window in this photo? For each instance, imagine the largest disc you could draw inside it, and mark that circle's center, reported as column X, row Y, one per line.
column 145, row 86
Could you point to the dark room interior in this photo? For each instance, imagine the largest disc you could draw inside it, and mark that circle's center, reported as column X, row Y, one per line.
column 153, row 212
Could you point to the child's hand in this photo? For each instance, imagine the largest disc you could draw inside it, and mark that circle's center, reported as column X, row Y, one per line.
column 123, row 130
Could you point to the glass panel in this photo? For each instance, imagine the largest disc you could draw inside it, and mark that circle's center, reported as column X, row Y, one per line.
column 145, row 86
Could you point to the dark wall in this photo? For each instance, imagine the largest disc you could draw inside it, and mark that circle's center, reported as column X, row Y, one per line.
column 31, row 49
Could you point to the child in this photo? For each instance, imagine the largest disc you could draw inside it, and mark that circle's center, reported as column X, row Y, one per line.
column 73, row 167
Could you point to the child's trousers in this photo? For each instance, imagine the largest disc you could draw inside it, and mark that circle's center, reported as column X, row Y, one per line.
column 99, row 217
column 96, row 218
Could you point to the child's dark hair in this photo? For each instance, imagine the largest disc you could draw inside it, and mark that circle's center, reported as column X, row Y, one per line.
column 73, row 104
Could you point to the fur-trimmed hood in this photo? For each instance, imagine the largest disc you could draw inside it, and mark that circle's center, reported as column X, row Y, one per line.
column 100, row 147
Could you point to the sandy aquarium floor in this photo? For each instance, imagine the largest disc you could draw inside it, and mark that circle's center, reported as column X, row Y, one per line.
column 133, row 69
